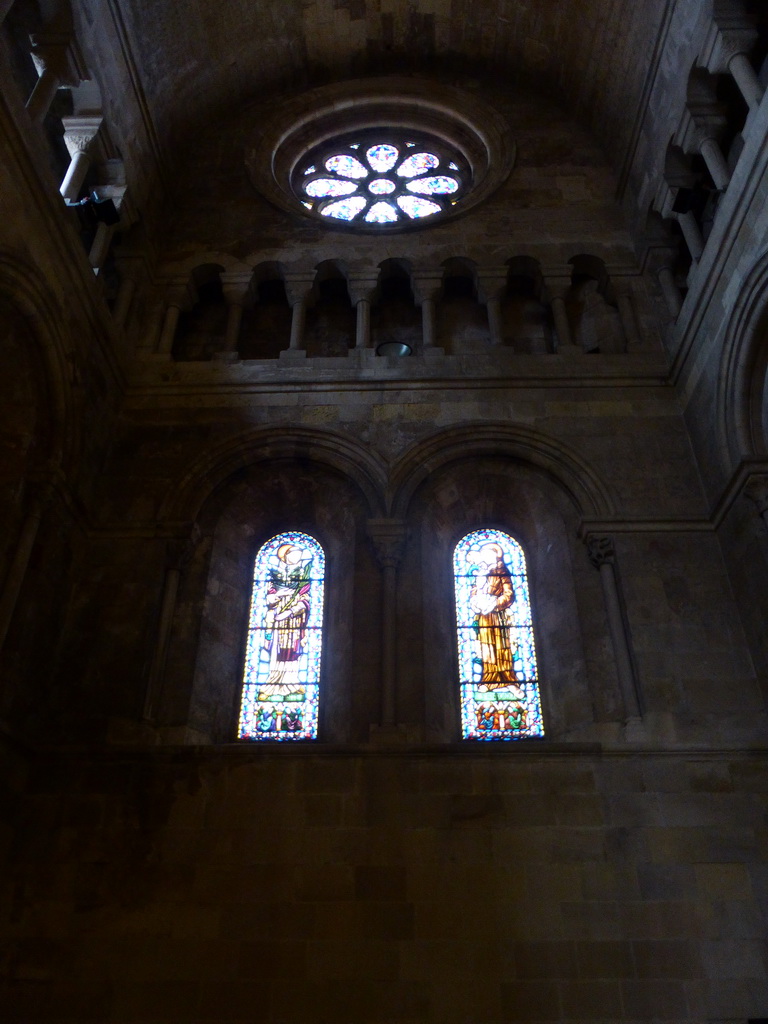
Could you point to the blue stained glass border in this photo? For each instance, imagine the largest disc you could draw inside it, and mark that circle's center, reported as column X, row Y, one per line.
column 281, row 675
column 498, row 673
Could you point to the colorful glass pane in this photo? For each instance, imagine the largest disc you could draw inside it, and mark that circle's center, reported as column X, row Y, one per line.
column 346, row 165
column 310, row 170
column 285, row 633
column 381, row 213
column 497, row 656
column 329, row 187
column 344, row 209
column 440, row 185
column 381, row 186
column 415, row 206
column 452, row 166
column 419, row 163
column 382, row 157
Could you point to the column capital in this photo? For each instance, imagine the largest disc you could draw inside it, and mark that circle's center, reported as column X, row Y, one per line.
column 298, row 285
column 388, row 538
column 179, row 550
column 361, row 287
column 600, row 550
column 235, row 285
column 180, row 293
column 58, row 53
column 731, row 32
column 79, row 132
column 426, row 286
column 490, row 285
column 660, row 256
column 557, row 285
column 756, row 489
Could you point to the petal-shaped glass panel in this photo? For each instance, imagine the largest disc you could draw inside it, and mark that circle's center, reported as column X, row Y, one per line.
column 381, row 186
column 415, row 206
column 346, row 165
column 440, row 185
column 344, row 209
column 452, row 166
column 382, row 157
column 310, row 170
column 419, row 163
column 329, row 187
column 381, row 213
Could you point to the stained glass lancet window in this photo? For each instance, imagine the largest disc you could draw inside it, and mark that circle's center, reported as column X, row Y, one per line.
column 285, row 634
column 497, row 657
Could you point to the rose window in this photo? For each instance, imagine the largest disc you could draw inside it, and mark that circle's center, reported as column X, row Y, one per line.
column 382, row 180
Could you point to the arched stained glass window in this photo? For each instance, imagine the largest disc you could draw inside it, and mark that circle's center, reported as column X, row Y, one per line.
column 497, row 656
column 285, row 635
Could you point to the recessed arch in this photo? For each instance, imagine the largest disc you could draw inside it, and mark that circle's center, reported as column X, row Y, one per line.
column 589, row 494
column 221, row 461
column 743, row 373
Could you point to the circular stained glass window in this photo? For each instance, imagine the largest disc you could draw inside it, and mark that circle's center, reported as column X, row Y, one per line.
column 382, row 179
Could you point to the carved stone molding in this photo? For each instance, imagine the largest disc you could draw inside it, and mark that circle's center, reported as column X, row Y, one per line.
column 600, row 550
column 388, row 538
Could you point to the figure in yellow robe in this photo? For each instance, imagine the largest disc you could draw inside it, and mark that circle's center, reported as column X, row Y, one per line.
column 491, row 594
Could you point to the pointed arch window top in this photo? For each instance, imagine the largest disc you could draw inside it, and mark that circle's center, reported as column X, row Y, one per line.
column 285, row 632
column 499, row 685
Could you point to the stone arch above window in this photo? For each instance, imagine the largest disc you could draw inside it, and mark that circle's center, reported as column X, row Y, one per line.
column 281, row 676
column 498, row 670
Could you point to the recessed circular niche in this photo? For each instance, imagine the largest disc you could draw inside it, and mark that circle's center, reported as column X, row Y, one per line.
column 380, row 155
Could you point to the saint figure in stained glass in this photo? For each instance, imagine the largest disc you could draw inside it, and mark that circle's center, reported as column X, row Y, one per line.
column 491, row 594
column 497, row 657
column 282, row 665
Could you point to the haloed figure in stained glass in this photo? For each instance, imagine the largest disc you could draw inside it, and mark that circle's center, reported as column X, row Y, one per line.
column 497, row 656
column 491, row 594
column 281, row 675
column 285, row 622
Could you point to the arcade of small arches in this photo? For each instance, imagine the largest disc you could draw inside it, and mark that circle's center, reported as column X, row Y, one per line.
column 259, row 313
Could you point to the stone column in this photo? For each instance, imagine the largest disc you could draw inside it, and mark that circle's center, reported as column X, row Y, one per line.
column 692, row 235
column 669, row 290
column 17, row 570
column 41, row 97
column 180, row 296
column 177, row 555
column 79, row 133
column 125, row 292
column 426, row 289
column 491, row 291
column 388, row 536
column 625, row 302
column 744, row 76
column 710, row 149
column 100, row 246
column 557, row 288
column 361, row 291
column 602, row 555
column 58, row 62
column 297, row 288
column 757, row 491
column 235, row 287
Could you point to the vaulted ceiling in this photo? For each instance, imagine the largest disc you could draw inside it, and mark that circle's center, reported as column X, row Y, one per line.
column 200, row 59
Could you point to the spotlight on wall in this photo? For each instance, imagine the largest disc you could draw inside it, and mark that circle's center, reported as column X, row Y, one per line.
column 393, row 348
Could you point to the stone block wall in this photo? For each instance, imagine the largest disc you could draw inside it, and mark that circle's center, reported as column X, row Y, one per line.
column 318, row 885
